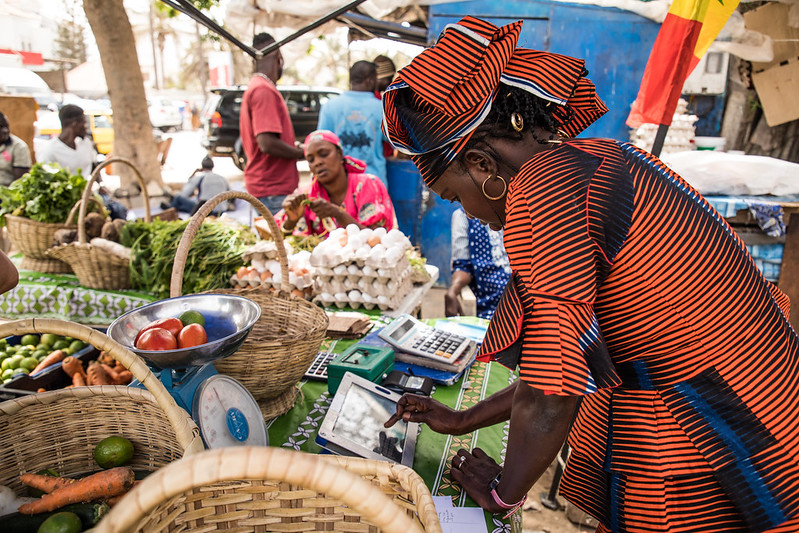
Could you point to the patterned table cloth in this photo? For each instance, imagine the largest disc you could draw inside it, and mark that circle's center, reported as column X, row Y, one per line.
column 298, row 428
column 61, row 296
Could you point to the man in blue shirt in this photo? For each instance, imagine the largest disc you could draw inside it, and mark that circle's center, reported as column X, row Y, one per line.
column 355, row 117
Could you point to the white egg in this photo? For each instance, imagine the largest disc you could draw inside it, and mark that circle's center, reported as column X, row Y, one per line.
column 353, row 269
column 353, row 229
column 380, row 232
column 369, row 271
column 355, row 296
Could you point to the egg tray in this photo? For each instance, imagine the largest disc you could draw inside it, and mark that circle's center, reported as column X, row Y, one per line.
column 371, row 286
column 391, row 302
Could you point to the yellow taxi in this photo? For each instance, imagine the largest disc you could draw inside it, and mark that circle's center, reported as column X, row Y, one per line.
column 100, row 127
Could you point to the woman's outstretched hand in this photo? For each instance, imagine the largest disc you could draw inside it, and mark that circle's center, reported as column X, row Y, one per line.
column 423, row 409
column 325, row 209
column 475, row 471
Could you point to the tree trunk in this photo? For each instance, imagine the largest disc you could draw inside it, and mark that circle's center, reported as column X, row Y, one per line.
column 133, row 133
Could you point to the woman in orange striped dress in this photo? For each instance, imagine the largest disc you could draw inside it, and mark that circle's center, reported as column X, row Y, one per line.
column 639, row 324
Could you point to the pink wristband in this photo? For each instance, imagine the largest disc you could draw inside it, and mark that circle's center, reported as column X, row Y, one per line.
column 512, row 508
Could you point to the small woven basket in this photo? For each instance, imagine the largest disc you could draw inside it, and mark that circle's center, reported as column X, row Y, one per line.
column 96, row 268
column 271, row 489
column 59, row 429
column 284, row 341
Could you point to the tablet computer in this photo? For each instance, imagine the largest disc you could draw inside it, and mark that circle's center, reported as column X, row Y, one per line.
column 354, row 423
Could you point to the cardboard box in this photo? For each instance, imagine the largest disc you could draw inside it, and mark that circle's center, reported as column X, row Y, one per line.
column 776, row 81
column 777, row 89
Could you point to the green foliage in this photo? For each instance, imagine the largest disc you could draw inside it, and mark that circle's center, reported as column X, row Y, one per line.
column 45, row 194
column 213, row 258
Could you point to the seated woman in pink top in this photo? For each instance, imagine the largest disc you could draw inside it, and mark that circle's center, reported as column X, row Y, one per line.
column 340, row 194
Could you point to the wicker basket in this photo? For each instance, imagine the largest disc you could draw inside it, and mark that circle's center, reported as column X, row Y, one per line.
column 284, row 341
column 59, row 429
column 272, row 489
column 95, row 267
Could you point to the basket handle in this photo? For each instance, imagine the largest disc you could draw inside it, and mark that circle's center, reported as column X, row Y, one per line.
column 176, row 283
column 309, row 471
column 87, row 193
column 176, row 416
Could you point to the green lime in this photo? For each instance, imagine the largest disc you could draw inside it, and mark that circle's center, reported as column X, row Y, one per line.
column 6, row 380
column 7, row 373
column 24, row 351
column 76, row 346
column 192, row 317
column 60, row 345
column 29, row 339
column 63, row 522
column 41, row 353
column 6, row 364
column 49, row 339
column 29, row 363
column 4, row 355
column 113, row 451
column 20, row 370
column 3, row 343
column 12, row 349
column 68, row 351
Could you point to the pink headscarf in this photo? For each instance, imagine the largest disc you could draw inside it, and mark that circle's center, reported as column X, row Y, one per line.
column 351, row 164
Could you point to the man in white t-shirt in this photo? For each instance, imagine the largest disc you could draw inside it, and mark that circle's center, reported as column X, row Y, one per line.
column 72, row 149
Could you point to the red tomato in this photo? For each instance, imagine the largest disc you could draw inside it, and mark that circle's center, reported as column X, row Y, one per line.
column 192, row 335
column 172, row 325
column 157, row 339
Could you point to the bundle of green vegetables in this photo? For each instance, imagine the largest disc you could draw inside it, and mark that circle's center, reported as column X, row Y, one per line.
column 213, row 258
column 45, row 194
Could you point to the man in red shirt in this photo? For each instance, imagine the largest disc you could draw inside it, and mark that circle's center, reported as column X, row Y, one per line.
column 266, row 132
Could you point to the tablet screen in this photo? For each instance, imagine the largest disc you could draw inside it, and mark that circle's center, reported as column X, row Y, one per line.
column 361, row 421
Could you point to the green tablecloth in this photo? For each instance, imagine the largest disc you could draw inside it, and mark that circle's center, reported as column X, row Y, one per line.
column 61, row 296
column 297, row 430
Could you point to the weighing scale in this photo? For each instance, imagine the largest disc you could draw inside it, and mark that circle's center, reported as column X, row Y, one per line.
column 223, row 409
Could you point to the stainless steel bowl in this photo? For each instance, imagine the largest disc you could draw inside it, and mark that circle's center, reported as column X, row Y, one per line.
column 228, row 321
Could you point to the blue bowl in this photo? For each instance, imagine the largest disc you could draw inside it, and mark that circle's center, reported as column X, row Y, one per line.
column 228, row 321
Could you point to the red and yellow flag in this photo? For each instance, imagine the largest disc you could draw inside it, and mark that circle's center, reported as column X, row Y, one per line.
column 686, row 34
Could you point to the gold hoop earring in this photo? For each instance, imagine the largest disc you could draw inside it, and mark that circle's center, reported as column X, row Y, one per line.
column 517, row 122
column 504, row 191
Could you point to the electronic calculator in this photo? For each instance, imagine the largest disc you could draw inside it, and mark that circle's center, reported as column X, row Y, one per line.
column 318, row 369
column 409, row 335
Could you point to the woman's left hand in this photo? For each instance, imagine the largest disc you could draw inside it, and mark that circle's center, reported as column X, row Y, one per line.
column 475, row 471
column 324, row 209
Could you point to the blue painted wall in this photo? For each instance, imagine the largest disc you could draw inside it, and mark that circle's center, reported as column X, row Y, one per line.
column 614, row 43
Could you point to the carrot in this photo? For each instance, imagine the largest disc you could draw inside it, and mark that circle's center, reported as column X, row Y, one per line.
column 72, row 366
column 55, row 357
column 113, row 500
column 113, row 374
column 78, row 380
column 124, row 377
column 119, row 368
column 45, row 483
column 105, row 358
column 99, row 486
column 41, row 389
column 97, row 375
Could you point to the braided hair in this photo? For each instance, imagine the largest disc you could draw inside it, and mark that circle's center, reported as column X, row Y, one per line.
column 534, row 111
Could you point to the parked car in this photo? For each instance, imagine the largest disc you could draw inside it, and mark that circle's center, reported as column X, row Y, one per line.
column 221, row 116
column 164, row 114
column 100, row 127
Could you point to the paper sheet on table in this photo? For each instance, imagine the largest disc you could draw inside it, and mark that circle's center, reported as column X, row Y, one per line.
column 459, row 519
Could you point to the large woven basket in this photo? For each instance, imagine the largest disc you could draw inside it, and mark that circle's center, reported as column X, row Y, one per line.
column 95, row 267
column 284, row 341
column 271, row 489
column 59, row 429
column 33, row 239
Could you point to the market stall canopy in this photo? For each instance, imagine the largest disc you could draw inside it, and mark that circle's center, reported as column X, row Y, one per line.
column 87, row 80
column 402, row 20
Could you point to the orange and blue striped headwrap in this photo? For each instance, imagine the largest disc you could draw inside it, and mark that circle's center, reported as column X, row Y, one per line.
column 436, row 103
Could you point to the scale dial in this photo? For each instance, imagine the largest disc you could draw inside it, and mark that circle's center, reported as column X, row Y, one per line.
column 227, row 414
